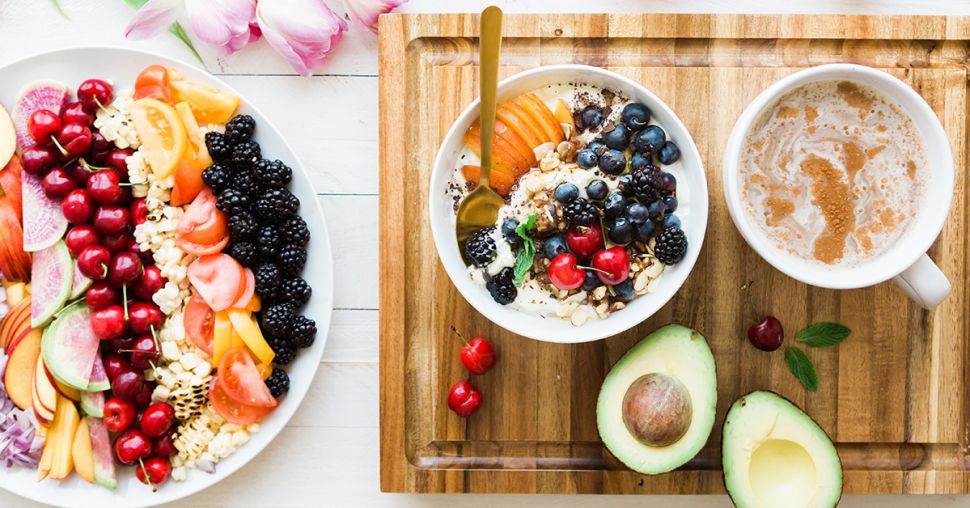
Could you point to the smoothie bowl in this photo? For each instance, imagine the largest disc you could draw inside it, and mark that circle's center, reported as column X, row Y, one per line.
column 606, row 205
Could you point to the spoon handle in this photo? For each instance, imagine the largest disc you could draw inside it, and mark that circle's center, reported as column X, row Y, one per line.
column 489, row 46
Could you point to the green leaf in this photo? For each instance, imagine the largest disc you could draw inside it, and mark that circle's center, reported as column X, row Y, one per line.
column 175, row 28
column 57, row 5
column 526, row 255
column 823, row 334
column 802, row 368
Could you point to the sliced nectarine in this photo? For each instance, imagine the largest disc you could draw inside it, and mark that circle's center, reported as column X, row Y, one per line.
column 541, row 113
column 500, row 147
column 564, row 115
column 66, row 421
column 18, row 377
column 82, row 453
column 524, row 131
column 500, row 181
column 500, row 158
column 515, row 141
column 538, row 133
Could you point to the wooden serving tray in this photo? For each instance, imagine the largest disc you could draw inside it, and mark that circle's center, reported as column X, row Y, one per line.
column 894, row 397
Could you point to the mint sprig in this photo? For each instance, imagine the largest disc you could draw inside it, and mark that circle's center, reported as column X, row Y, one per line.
column 802, row 368
column 527, row 254
column 823, row 334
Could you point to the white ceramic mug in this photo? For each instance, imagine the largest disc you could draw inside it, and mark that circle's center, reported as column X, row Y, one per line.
column 905, row 261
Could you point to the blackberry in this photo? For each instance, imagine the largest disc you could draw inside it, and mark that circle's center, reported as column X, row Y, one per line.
column 245, row 253
column 268, row 242
column 217, row 176
column 267, row 282
column 242, row 227
column 295, row 231
column 244, row 180
column 646, row 185
column 232, row 202
column 219, row 148
column 480, row 248
column 291, row 260
column 671, row 246
column 303, row 331
column 278, row 383
column 580, row 213
column 245, row 153
column 273, row 173
column 277, row 319
column 240, row 129
column 296, row 291
column 276, row 206
column 501, row 287
column 284, row 351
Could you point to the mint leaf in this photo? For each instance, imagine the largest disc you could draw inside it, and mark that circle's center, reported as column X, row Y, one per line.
column 802, row 368
column 527, row 254
column 823, row 334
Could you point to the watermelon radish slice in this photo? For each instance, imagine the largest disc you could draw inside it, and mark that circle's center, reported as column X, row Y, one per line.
column 92, row 404
column 98, row 382
column 52, row 274
column 41, row 94
column 44, row 223
column 80, row 285
column 69, row 346
column 104, row 464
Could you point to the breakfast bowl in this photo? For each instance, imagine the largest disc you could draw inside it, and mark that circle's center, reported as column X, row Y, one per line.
column 534, row 316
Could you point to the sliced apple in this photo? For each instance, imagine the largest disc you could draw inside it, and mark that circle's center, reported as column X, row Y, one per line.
column 564, row 115
column 44, row 415
column 44, row 389
column 66, row 421
column 64, row 390
column 18, row 376
column 16, row 319
column 82, row 452
column 8, row 137
column 499, row 181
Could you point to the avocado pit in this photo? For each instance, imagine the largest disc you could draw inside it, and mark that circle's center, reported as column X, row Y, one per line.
column 657, row 409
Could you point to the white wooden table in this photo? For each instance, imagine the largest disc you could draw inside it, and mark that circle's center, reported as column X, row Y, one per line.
column 328, row 455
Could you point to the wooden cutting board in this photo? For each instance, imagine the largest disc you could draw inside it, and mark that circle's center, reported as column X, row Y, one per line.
column 893, row 397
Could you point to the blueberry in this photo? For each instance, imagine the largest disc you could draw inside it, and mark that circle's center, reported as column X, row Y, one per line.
column 597, row 190
column 618, row 138
column 566, row 192
column 592, row 281
column 668, row 183
column 637, row 213
column 645, row 231
column 650, row 140
column 669, row 153
column 639, row 161
column 554, row 246
column 636, row 115
column 586, row 158
column 595, row 145
column 671, row 221
column 670, row 204
column 624, row 290
column 612, row 162
column 508, row 231
column 625, row 184
column 621, row 231
column 591, row 116
column 615, row 204
column 656, row 209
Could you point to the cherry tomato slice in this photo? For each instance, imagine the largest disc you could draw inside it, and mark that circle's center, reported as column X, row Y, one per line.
column 153, row 82
column 199, row 322
column 217, row 278
column 247, row 290
column 242, row 381
column 232, row 411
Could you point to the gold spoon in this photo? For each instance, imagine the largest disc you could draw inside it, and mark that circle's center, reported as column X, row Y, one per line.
column 480, row 208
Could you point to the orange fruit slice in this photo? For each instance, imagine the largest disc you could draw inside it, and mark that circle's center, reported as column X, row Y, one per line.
column 161, row 133
column 209, row 105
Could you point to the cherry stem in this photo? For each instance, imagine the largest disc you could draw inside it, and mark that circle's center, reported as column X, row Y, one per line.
column 59, row 147
column 98, row 102
column 124, row 299
column 93, row 169
column 158, row 347
column 148, row 479
column 594, row 269
column 746, row 289
column 460, row 336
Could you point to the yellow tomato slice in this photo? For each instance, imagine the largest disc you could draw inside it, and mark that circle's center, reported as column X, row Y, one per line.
column 161, row 133
column 199, row 153
column 209, row 105
column 244, row 323
column 222, row 337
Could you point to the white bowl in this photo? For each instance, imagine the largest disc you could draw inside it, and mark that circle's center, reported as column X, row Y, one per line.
column 691, row 195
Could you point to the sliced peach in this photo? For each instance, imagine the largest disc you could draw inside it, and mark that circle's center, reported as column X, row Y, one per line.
column 500, row 147
column 564, row 115
column 524, row 131
column 515, row 141
column 543, row 115
column 500, row 181
column 538, row 133
column 501, row 157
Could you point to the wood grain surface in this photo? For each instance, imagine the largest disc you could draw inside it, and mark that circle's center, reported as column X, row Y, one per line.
column 893, row 397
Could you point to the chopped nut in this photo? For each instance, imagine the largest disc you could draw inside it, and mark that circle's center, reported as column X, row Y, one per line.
column 599, row 293
column 652, row 287
column 641, row 281
column 580, row 316
column 602, row 310
column 655, row 269
column 618, row 305
column 566, row 309
column 548, row 164
column 634, row 267
column 578, row 297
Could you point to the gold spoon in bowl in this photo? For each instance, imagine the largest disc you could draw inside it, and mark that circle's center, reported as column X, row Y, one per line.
column 480, row 208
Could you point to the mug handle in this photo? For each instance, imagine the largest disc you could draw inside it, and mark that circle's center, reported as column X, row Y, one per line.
column 924, row 282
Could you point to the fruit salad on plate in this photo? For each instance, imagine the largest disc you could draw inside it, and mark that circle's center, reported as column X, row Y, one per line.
column 151, row 262
column 591, row 194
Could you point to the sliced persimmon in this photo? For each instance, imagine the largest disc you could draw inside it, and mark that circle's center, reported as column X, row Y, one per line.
column 500, row 181
column 217, row 278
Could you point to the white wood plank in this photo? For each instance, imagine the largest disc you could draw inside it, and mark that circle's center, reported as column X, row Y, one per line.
column 352, row 338
column 352, row 224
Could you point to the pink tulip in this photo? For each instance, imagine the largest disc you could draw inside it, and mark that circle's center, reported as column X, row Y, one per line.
column 153, row 18
column 366, row 12
column 303, row 32
column 222, row 24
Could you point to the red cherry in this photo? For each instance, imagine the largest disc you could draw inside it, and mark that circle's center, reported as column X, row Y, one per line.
column 131, row 446
column 563, row 272
column 116, row 160
column 38, row 159
column 145, row 255
column 100, row 148
column 108, row 323
column 115, row 364
column 101, row 296
column 117, row 243
column 128, row 385
column 93, row 262
column 109, row 220
column 103, row 187
column 464, row 399
column 124, row 270
column 612, row 265
column 144, row 352
column 150, row 283
column 157, row 419
column 165, row 446
column 143, row 316
column 767, row 335
column 77, row 207
column 57, row 183
column 42, row 124
column 75, row 139
column 144, row 397
column 477, row 355
column 80, row 237
column 75, row 113
column 94, row 93
column 584, row 241
column 121, row 344
column 138, row 211
column 154, row 471
column 118, row 414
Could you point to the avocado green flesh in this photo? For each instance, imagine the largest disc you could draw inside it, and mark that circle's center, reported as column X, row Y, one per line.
column 682, row 354
column 775, row 455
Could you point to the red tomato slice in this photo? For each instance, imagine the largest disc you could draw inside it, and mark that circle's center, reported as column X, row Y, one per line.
column 248, row 289
column 153, row 83
column 202, row 223
column 217, row 278
column 202, row 250
column 199, row 321
column 241, row 380
column 188, row 182
column 232, row 411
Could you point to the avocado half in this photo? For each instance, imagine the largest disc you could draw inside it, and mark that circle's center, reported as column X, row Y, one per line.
column 775, row 455
column 682, row 354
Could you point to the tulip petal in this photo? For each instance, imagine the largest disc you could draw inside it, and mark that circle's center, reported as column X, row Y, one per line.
column 223, row 24
column 303, row 32
column 366, row 12
column 153, row 18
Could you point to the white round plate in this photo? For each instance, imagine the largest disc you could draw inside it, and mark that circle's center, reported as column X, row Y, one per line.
column 120, row 66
